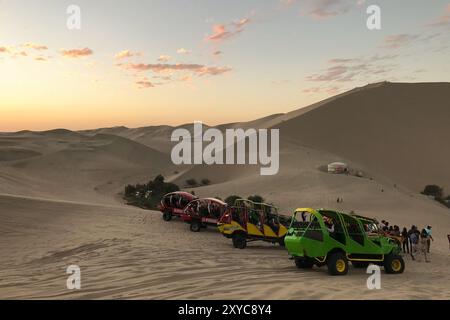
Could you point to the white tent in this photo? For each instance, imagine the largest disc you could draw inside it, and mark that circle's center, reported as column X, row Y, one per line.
column 337, row 167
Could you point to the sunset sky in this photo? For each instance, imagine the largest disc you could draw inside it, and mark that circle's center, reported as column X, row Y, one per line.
column 139, row 63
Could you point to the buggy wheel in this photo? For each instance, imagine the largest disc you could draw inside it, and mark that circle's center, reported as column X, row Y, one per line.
column 393, row 264
column 239, row 241
column 303, row 263
column 337, row 264
column 195, row 226
column 167, row 216
column 360, row 264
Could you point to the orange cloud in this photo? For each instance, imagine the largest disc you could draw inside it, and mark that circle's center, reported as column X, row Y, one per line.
column 12, row 51
column 142, row 84
column 398, row 40
column 286, row 2
column 324, row 9
column 164, row 58
column 443, row 20
column 35, row 46
column 222, row 32
column 183, row 51
column 40, row 59
column 126, row 54
column 76, row 53
column 162, row 68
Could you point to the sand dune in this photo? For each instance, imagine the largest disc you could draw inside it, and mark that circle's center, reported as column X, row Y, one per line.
column 397, row 130
column 131, row 253
column 68, row 165
column 59, row 203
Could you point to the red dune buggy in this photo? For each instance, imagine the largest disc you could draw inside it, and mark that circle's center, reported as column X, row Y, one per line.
column 173, row 204
column 200, row 213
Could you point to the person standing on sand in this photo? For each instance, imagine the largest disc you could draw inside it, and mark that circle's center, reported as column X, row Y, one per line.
column 410, row 232
column 423, row 243
column 448, row 237
column 430, row 238
column 414, row 239
column 405, row 240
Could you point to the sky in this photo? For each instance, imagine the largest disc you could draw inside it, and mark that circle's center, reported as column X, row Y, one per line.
column 139, row 63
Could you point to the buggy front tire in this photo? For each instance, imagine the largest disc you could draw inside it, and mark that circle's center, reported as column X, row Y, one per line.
column 394, row 264
column 337, row 264
column 195, row 226
column 239, row 241
column 167, row 216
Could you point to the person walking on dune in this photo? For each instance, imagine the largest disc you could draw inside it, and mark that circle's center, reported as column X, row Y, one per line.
column 430, row 238
column 414, row 240
column 410, row 232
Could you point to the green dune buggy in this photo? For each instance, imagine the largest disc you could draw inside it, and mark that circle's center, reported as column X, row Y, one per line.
column 326, row 237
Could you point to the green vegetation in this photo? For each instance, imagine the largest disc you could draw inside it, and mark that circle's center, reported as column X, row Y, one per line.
column 206, row 182
column 231, row 199
column 437, row 193
column 191, row 182
column 148, row 195
column 256, row 198
column 433, row 190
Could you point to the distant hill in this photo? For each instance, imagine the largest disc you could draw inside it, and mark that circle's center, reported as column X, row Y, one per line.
column 399, row 130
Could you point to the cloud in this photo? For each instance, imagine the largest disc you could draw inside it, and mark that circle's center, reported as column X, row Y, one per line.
column 12, row 51
column 351, row 69
column 186, row 78
column 339, row 61
column 330, row 74
column 377, row 57
column 286, row 2
column 126, row 54
column 76, row 53
column 398, row 40
column 223, row 32
column 219, row 33
column 241, row 23
column 35, row 46
column 183, row 51
column 324, row 9
column 443, row 20
column 144, row 84
column 43, row 59
column 331, row 90
column 217, row 53
column 164, row 58
column 197, row 69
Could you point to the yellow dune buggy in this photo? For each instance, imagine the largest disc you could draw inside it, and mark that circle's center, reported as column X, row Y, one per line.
column 248, row 221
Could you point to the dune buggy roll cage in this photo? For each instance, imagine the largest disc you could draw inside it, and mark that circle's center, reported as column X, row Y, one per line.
column 318, row 218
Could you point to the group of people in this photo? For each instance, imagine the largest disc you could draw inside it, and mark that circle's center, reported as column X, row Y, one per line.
column 414, row 241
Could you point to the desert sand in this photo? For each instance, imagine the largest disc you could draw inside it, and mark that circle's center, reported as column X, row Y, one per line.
column 60, row 204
